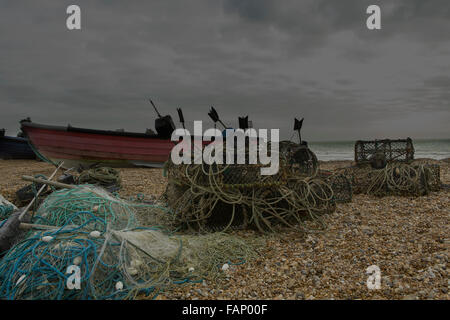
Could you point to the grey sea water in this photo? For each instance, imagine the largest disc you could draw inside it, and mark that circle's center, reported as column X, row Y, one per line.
column 344, row 150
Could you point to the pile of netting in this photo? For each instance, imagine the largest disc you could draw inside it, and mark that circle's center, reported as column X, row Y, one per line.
column 106, row 177
column 395, row 178
column 103, row 176
column 96, row 238
column 222, row 196
column 5, row 211
column 6, row 208
column 62, row 204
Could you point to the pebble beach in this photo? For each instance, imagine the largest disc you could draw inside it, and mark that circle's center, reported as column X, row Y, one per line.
column 408, row 238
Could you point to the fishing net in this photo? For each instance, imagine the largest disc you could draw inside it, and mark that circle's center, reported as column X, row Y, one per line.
column 6, row 208
column 36, row 267
column 111, row 264
column 62, row 204
column 396, row 178
column 103, row 176
column 118, row 253
column 182, row 258
column 222, row 196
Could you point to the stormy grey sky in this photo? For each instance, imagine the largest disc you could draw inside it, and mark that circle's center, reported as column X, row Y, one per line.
column 270, row 59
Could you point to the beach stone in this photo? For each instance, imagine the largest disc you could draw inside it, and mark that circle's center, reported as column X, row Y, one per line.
column 300, row 296
column 384, row 228
column 410, row 297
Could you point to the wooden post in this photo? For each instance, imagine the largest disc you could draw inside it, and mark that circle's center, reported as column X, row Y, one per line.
column 51, row 183
column 27, row 226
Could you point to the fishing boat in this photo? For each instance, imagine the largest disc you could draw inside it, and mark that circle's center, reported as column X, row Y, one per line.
column 86, row 147
column 14, row 147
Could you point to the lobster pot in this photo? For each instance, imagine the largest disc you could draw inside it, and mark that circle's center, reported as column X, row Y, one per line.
column 340, row 183
column 294, row 159
column 342, row 188
column 387, row 150
column 433, row 176
column 217, row 197
column 359, row 177
column 395, row 179
column 299, row 157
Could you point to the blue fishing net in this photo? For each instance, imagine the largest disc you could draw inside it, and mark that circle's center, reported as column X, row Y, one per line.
column 41, row 266
column 96, row 248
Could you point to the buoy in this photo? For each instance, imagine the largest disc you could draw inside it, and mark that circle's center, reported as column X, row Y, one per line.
column 95, row 234
column 47, row 238
column 225, row 267
column 136, row 263
column 119, row 285
column 132, row 271
column 22, row 277
column 95, row 208
column 77, row 260
column 191, row 269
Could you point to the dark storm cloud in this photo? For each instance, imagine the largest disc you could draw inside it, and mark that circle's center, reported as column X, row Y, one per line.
column 325, row 17
column 272, row 60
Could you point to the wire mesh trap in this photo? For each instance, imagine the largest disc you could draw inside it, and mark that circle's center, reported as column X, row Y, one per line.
column 396, row 178
column 340, row 184
column 301, row 159
column 381, row 152
column 223, row 196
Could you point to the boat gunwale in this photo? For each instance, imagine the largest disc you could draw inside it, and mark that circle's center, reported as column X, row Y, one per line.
column 69, row 128
column 14, row 139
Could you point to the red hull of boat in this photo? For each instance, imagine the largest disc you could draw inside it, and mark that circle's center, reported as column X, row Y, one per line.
column 114, row 149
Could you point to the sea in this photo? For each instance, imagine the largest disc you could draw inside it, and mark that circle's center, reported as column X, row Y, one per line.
column 437, row 149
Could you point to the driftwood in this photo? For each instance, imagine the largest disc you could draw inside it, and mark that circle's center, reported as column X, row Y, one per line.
column 52, row 183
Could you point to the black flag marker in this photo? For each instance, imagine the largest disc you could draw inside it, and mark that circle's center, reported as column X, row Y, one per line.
column 213, row 114
column 180, row 115
column 243, row 123
column 298, row 124
column 297, row 127
column 215, row 117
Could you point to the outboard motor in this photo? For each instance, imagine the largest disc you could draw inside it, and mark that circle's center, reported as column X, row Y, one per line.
column 164, row 125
